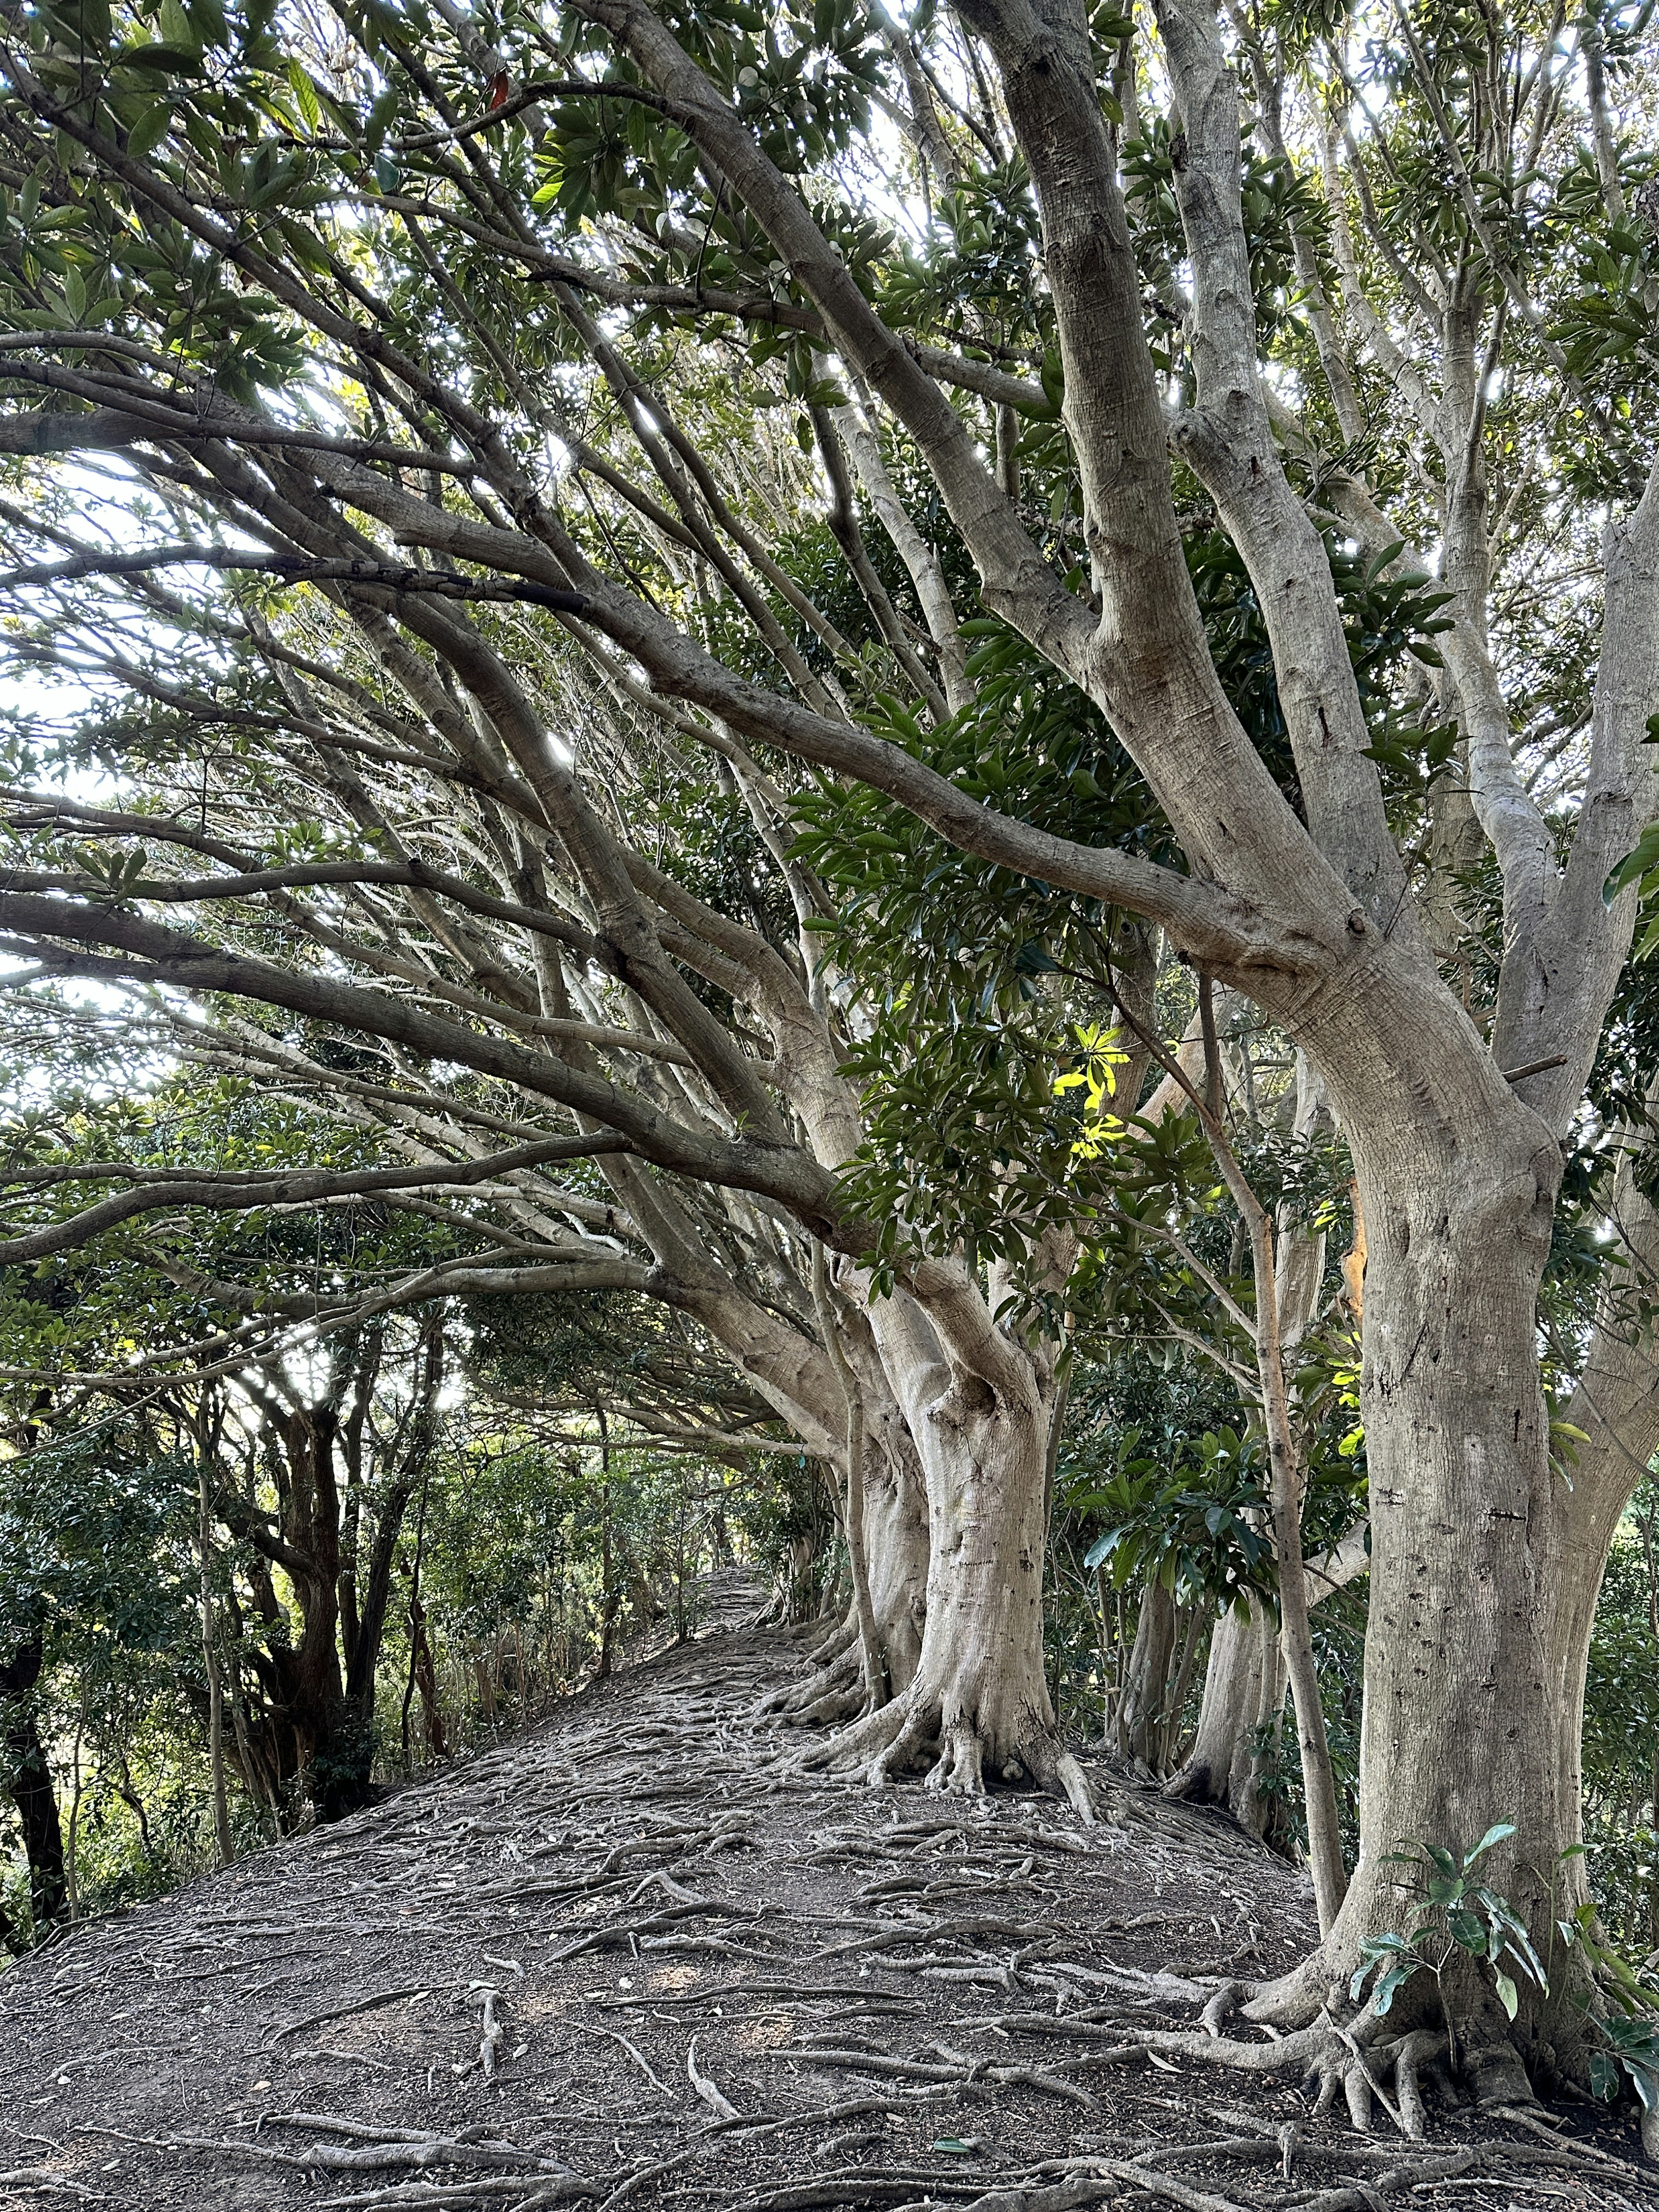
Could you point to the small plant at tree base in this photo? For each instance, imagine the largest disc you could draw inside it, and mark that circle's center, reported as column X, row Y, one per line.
column 1456, row 1915
column 1635, row 2052
column 1632, row 2033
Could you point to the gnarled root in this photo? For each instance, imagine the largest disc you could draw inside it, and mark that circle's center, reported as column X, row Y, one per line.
column 854, row 1747
column 834, row 1694
column 915, row 1733
column 1352, row 2060
column 833, row 1666
column 1413, row 2055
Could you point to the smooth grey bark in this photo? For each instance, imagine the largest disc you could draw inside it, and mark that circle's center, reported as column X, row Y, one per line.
column 1244, row 1688
column 1140, row 1708
column 978, row 1708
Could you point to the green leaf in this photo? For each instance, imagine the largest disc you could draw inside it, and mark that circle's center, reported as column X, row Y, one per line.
column 1604, row 2075
column 1390, row 1982
column 1466, row 1931
column 166, row 61
column 304, row 94
column 378, row 119
column 176, row 28
column 147, row 132
column 1494, row 1835
column 1508, row 1995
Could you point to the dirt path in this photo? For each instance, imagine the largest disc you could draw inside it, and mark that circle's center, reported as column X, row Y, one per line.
column 624, row 1959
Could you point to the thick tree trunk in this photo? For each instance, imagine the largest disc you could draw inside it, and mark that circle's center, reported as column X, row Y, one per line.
column 1465, row 1720
column 978, row 1709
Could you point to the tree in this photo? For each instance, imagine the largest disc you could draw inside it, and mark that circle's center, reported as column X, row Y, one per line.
column 699, row 142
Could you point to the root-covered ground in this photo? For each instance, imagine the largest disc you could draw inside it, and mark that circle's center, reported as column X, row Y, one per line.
column 629, row 1958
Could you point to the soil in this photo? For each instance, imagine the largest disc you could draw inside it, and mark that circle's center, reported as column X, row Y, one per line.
column 631, row 1957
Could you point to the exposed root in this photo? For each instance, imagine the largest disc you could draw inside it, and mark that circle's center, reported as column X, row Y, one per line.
column 1304, row 2053
column 901, row 1737
column 834, row 1694
column 854, row 1746
column 1349, row 2060
column 833, row 1707
column 842, row 1637
column 1411, row 2055
column 886, row 1941
column 831, row 1665
column 1313, row 1987
column 1221, row 2005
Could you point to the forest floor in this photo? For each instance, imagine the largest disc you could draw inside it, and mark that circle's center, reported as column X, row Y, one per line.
column 629, row 1958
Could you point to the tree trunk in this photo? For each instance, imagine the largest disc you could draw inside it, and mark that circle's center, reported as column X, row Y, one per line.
column 1141, row 1708
column 30, row 1783
column 876, row 1687
column 377, row 1596
column 1243, row 1692
column 979, row 1706
column 1465, row 1720
column 210, row 1660
column 423, row 1675
column 1176, row 1705
column 897, row 1551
